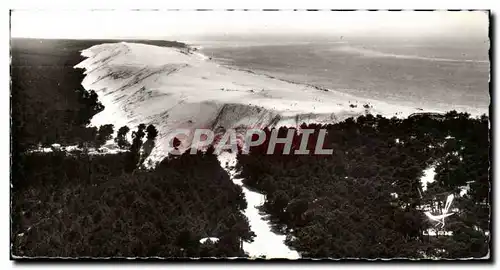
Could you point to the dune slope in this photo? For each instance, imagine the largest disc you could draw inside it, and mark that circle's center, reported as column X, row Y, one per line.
column 179, row 88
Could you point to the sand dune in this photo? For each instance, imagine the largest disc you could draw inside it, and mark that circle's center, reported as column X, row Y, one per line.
column 180, row 88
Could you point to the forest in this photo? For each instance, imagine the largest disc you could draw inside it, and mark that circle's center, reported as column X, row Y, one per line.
column 75, row 204
column 366, row 200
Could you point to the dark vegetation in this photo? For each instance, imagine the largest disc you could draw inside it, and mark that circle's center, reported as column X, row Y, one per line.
column 79, row 205
column 341, row 205
column 74, row 204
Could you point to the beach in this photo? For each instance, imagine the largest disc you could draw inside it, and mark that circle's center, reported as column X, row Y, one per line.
column 177, row 88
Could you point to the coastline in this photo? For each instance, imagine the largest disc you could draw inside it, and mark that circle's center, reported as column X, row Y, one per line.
column 424, row 102
column 189, row 90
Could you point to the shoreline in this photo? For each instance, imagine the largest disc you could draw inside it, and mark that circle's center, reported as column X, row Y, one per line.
column 467, row 109
column 440, row 107
column 191, row 91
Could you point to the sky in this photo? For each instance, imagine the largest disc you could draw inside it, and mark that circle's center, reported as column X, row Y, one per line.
column 188, row 24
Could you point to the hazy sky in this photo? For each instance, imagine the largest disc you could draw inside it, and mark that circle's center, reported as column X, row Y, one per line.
column 164, row 24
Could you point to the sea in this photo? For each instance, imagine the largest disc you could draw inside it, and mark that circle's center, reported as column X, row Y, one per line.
column 436, row 74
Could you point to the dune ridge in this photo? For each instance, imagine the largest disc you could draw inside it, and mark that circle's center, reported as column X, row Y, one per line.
column 181, row 88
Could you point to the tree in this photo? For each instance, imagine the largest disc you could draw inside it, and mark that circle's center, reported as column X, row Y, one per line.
column 150, row 142
column 137, row 139
column 297, row 208
column 121, row 137
column 134, row 155
column 187, row 242
column 280, row 201
column 104, row 134
column 152, row 132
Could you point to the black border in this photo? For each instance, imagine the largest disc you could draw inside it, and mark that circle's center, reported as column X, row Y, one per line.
column 490, row 260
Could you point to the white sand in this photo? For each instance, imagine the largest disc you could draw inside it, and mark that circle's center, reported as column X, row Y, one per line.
column 171, row 88
column 266, row 242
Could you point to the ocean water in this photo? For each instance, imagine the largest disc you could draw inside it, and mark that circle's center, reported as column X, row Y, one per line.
column 432, row 75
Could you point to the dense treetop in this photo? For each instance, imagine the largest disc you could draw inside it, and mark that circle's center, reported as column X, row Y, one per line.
column 344, row 205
